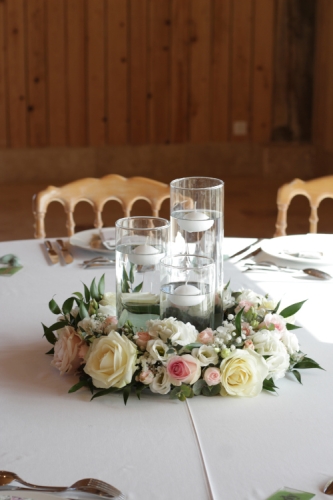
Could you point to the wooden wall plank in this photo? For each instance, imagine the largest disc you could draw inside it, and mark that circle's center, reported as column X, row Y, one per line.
column 263, row 70
column 36, row 62
column 117, row 71
column 320, row 72
column 179, row 67
column 17, row 89
column 241, row 70
column 76, row 71
column 200, row 75
column 3, row 99
column 56, row 73
column 138, row 71
column 221, row 31
column 159, row 74
column 96, row 72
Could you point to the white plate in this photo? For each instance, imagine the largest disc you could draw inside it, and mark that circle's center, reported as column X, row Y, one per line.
column 314, row 249
column 83, row 238
column 34, row 495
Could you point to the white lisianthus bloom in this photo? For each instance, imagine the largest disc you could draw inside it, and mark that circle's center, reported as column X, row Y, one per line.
column 109, row 301
column 90, row 325
column 268, row 303
column 290, row 340
column 169, row 328
column 267, row 342
column 161, row 383
column 278, row 364
column 243, row 373
column 111, row 361
column 106, row 310
column 206, row 355
column 227, row 299
column 248, row 299
column 157, row 350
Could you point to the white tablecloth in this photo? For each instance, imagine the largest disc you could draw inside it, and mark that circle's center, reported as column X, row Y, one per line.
column 156, row 448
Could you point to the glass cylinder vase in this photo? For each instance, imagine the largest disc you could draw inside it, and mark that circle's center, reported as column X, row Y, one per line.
column 141, row 242
column 197, row 224
column 188, row 290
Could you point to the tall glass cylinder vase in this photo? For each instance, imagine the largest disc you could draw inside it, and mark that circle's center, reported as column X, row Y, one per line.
column 197, row 224
column 141, row 242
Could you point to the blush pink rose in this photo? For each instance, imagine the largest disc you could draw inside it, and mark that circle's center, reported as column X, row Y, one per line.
column 146, row 377
column 206, row 336
column 110, row 321
column 248, row 344
column 246, row 328
column 247, row 304
column 183, row 369
column 212, row 376
column 66, row 350
column 82, row 352
column 142, row 339
column 276, row 320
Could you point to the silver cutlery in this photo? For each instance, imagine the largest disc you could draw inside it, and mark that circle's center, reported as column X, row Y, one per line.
column 98, row 262
column 89, row 485
column 328, row 488
column 67, row 256
column 248, row 251
column 53, row 256
column 269, row 266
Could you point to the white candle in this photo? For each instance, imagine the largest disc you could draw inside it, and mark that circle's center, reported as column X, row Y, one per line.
column 145, row 255
column 194, row 222
column 187, row 295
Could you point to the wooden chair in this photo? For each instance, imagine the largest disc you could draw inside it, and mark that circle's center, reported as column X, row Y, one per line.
column 315, row 190
column 97, row 192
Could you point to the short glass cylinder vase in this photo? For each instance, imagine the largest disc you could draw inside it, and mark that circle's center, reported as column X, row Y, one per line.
column 188, row 289
column 141, row 242
column 197, row 223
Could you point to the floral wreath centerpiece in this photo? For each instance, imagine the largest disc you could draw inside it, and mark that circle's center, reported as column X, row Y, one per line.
column 253, row 348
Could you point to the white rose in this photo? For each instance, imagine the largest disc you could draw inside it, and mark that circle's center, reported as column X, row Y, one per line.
column 267, row 342
column 111, row 361
column 268, row 303
column 161, row 383
column 108, row 300
column 106, row 310
column 170, row 328
column 243, row 373
column 290, row 341
column 157, row 350
column 66, row 350
column 206, row 355
column 227, row 299
column 249, row 296
column 278, row 364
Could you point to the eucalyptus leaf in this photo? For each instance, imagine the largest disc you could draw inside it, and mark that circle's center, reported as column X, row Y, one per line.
column 186, row 390
column 291, row 310
column 54, row 307
column 101, row 285
column 198, row 386
column 174, row 393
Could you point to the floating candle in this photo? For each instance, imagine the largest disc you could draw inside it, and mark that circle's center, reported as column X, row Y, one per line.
column 194, row 222
column 145, row 255
column 187, row 295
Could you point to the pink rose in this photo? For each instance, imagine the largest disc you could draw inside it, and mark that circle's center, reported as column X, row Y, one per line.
column 212, row 376
column 248, row 344
column 246, row 328
column 83, row 349
column 141, row 339
column 247, row 304
column 66, row 350
column 183, row 369
column 276, row 320
column 206, row 336
column 146, row 377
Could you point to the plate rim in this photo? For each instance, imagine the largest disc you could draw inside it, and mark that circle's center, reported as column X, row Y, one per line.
column 87, row 247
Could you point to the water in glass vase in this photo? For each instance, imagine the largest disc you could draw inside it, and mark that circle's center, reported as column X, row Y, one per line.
column 137, row 284
column 197, row 309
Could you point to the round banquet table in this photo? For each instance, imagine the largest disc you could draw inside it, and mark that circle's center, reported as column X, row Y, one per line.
column 157, row 448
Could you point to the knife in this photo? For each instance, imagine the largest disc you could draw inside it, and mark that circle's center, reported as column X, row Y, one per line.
column 67, row 256
column 54, row 257
column 252, row 249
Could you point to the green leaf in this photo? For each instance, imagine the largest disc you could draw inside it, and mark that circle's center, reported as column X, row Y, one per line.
column 54, row 307
column 193, row 345
column 124, row 286
column 57, row 325
column 101, row 285
column 238, row 321
column 138, row 288
column 78, row 294
column 186, row 390
column 290, row 326
column 83, row 311
column 131, row 274
column 103, row 392
column 76, row 387
column 307, row 363
column 198, row 386
column 68, row 305
column 212, row 390
column 127, row 392
column 297, row 375
column 49, row 335
column 268, row 385
column 125, row 275
column 174, row 393
column 86, row 293
column 94, row 290
column 134, row 308
column 276, row 307
column 291, row 310
column 139, row 388
column 51, row 351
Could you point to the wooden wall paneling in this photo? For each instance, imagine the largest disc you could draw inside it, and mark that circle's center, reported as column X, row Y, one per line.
column 96, row 72
column 36, row 61
column 263, row 70
column 200, row 71
column 16, row 68
column 138, row 71
column 56, row 73
column 117, row 71
column 159, row 74
column 221, row 30
column 320, row 72
column 76, row 72
column 179, row 67
column 241, row 65
column 3, row 99
column 329, row 107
